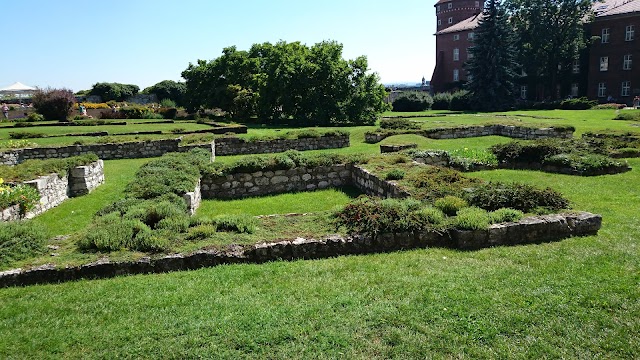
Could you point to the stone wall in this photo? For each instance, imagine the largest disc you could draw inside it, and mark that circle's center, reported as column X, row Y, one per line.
column 129, row 150
column 529, row 230
column 236, row 146
column 54, row 189
column 395, row 148
column 274, row 182
column 372, row 185
column 516, row 132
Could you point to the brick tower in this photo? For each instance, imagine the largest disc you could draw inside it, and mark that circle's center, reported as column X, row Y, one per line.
column 456, row 20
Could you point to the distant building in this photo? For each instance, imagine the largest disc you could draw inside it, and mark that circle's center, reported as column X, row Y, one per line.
column 605, row 71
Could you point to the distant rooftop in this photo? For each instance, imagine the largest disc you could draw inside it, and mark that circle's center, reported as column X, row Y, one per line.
column 467, row 24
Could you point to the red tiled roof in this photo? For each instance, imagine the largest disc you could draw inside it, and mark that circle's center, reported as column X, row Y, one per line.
column 616, row 7
column 467, row 24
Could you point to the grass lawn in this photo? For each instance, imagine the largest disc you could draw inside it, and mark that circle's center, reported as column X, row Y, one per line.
column 577, row 298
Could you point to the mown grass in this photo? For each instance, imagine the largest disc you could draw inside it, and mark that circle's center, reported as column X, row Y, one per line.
column 577, row 298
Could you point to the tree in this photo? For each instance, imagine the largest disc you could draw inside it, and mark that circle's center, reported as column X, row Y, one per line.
column 412, row 101
column 288, row 82
column 492, row 65
column 54, row 104
column 114, row 91
column 168, row 89
column 550, row 37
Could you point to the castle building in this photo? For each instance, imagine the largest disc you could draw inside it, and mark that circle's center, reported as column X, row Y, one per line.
column 605, row 72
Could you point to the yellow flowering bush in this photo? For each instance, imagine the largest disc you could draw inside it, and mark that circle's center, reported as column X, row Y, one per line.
column 26, row 197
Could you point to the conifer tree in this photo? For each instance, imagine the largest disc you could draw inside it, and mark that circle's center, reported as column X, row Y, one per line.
column 492, row 66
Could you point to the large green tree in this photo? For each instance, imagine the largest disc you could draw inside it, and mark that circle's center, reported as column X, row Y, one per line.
column 114, row 91
column 168, row 89
column 550, row 37
column 492, row 67
column 288, row 82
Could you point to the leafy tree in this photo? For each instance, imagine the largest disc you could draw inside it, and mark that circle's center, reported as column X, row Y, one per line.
column 287, row 82
column 412, row 101
column 114, row 91
column 168, row 89
column 492, row 67
column 550, row 37
column 54, row 104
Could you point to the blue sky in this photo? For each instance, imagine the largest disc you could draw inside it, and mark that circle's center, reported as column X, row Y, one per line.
column 75, row 44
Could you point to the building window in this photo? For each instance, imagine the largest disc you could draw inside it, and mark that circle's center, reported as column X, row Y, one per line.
column 449, row 5
column 450, row 20
column 576, row 67
column 456, row 37
column 626, row 63
column 605, row 36
column 469, row 53
column 626, row 88
column 523, row 92
column 604, row 63
column 477, row 4
column 456, row 75
column 456, row 54
column 574, row 90
column 439, row 22
column 629, row 33
column 602, row 89
column 470, row 36
column 438, row 8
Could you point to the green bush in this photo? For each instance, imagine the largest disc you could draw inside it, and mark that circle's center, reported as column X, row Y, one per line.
column 167, row 103
column 609, row 106
column 399, row 124
column 25, row 196
column 633, row 115
column 505, row 215
column 441, row 101
column 113, row 233
column 176, row 224
column 496, row 195
column 471, row 218
column 430, row 183
column 450, row 205
column 412, row 101
column 169, row 112
column 530, row 152
column 460, row 101
column 242, row 224
column 153, row 212
column 577, row 104
column 26, row 135
column 584, row 163
column 395, row 174
column 201, row 232
column 21, row 240
column 34, row 116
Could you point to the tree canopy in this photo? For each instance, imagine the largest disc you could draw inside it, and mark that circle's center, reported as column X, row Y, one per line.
column 168, row 89
column 114, row 91
column 550, row 37
column 288, row 83
column 492, row 65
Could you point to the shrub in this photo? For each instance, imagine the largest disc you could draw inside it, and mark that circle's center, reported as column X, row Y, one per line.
column 531, row 152
column 609, row 106
column 441, row 101
column 496, row 195
column 168, row 112
column 431, row 183
column 242, row 224
column 471, row 218
column 577, row 104
column 34, row 116
column 153, row 212
column 19, row 144
column 399, row 124
column 430, row 215
column 21, row 240
column 201, row 232
column 25, row 196
column 136, row 112
column 395, row 174
column 112, row 115
column 460, row 101
column 633, row 115
column 176, row 224
column 584, row 163
column 505, row 215
column 54, row 104
column 26, row 135
column 450, row 205
column 167, row 103
column 412, row 101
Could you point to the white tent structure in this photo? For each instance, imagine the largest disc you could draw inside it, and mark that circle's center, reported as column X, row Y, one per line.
column 17, row 90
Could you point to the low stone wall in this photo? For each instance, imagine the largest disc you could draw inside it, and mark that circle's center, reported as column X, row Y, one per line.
column 372, row 185
column 396, row 148
column 236, row 146
column 435, row 158
column 129, row 150
column 54, row 189
column 529, row 230
column 516, row 132
column 274, row 182
column 566, row 170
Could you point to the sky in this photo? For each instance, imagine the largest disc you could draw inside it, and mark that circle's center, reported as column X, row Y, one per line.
column 74, row 44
